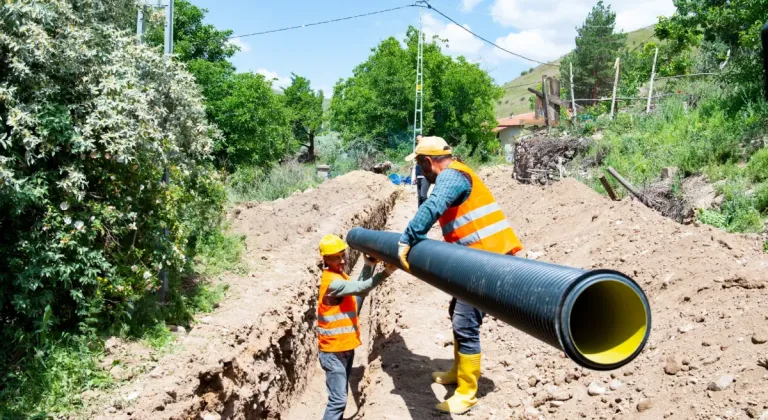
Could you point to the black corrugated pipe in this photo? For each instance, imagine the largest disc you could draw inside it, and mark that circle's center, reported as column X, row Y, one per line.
column 600, row 318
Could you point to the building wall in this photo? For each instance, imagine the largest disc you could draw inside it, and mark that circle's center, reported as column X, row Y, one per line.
column 508, row 135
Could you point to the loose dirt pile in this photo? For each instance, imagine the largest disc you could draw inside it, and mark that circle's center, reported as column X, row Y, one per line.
column 705, row 359
column 251, row 356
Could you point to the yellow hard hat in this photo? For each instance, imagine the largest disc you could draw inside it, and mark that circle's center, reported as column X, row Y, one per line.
column 430, row 146
column 331, row 244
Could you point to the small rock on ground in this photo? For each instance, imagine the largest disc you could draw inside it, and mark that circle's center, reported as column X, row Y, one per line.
column 644, row 404
column 672, row 367
column 211, row 416
column 615, row 384
column 595, row 389
column 721, row 383
column 759, row 338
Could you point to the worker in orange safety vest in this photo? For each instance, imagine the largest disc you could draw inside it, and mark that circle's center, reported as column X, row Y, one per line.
column 338, row 308
column 469, row 216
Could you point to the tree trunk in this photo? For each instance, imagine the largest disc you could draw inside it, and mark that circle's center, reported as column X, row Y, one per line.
column 474, row 147
column 311, row 148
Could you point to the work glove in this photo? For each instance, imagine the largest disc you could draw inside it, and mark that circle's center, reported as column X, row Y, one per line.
column 402, row 254
column 370, row 261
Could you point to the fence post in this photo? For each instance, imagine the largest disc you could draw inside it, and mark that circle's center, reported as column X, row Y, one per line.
column 653, row 75
column 544, row 89
column 554, row 90
column 615, row 84
column 573, row 101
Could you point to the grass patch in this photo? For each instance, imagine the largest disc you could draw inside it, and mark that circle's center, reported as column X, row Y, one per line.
column 253, row 184
column 51, row 379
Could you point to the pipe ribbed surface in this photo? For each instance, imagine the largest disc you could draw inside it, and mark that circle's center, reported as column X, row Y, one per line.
column 601, row 319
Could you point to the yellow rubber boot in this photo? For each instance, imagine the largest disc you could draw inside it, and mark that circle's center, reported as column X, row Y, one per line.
column 467, row 378
column 449, row 377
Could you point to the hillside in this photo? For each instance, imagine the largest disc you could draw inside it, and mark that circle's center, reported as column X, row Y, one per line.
column 515, row 100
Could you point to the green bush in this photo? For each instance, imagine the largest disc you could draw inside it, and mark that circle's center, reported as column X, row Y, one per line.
column 254, row 184
column 89, row 124
column 757, row 168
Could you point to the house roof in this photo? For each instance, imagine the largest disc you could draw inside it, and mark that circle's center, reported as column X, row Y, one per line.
column 518, row 121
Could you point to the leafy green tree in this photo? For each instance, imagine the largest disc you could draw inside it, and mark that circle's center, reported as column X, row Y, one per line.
column 88, row 123
column 193, row 39
column 597, row 47
column 376, row 103
column 306, row 108
column 736, row 23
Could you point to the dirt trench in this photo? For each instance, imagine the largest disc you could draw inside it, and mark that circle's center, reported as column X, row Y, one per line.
column 249, row 358
column 707, row 357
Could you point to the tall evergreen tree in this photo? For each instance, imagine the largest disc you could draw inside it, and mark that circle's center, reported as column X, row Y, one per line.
column 597, row 46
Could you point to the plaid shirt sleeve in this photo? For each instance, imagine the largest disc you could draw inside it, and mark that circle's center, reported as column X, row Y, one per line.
column 451, row 189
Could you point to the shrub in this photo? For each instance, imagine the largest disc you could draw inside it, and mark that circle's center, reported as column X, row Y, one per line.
column 254, row 184
column 757, row 168
column 89, row 124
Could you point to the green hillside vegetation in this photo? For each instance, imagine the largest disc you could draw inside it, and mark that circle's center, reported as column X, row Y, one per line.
column 515, row 100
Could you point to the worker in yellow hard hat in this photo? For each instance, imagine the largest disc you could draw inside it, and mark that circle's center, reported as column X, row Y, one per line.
column 469, row 216
column 338, row 307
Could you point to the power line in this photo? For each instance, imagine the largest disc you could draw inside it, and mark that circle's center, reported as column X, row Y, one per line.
column 487, row 41
column 324, row 22
column 522, row 85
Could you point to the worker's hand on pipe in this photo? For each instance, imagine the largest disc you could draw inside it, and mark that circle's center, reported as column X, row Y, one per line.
column 402, row 253
column 370, row 261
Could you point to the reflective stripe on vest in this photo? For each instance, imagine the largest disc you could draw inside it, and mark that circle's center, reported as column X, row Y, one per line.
column 470, row 217
column 483, row 233
column 336, row 317
column 478, row 222
column 336, row 331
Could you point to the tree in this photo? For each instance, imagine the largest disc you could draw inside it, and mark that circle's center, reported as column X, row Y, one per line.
column 736, row 23
column 597, row 47
column 376, row 103
column 251, row 117
column 192, row 39
column 306, row 108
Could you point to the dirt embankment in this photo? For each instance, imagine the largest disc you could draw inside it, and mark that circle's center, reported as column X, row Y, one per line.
column 254, row 354
column 708, row 294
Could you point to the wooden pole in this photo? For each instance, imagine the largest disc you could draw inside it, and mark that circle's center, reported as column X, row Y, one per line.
column 608, row 188
column 653, row 75
column 544, row 89
column 554, row 91
column 626, row 184
column 615, row 84
column 573, row 101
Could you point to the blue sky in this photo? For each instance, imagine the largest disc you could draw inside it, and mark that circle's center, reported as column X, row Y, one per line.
column 540, row 29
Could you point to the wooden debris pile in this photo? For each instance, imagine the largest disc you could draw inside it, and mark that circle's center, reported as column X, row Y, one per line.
column 542, row 159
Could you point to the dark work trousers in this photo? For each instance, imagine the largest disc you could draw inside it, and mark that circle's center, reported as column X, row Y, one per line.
column 422, row 188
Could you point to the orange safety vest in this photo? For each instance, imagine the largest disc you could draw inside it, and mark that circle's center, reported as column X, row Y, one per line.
column 337, row 327
column 478, row 222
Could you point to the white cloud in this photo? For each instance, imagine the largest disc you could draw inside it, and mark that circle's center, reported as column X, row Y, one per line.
column 460, row 42
column 277, row 80
column 545, row 29
column 244, row 46
column 536, row 44
column 468, row 5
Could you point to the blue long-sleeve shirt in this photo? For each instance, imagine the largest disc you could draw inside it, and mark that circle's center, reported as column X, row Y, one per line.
column 451, row 189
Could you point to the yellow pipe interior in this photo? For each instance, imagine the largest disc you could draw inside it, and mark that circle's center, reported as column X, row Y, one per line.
column 608, row 322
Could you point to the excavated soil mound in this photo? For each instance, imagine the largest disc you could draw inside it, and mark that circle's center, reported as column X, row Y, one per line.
column 254, row 353
column 706, row 358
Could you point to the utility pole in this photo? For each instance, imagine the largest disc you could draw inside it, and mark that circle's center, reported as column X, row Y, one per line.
column 653, row 75
column 168, row 48
column 573, row 101
column 418, row 107
column 615, row 84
